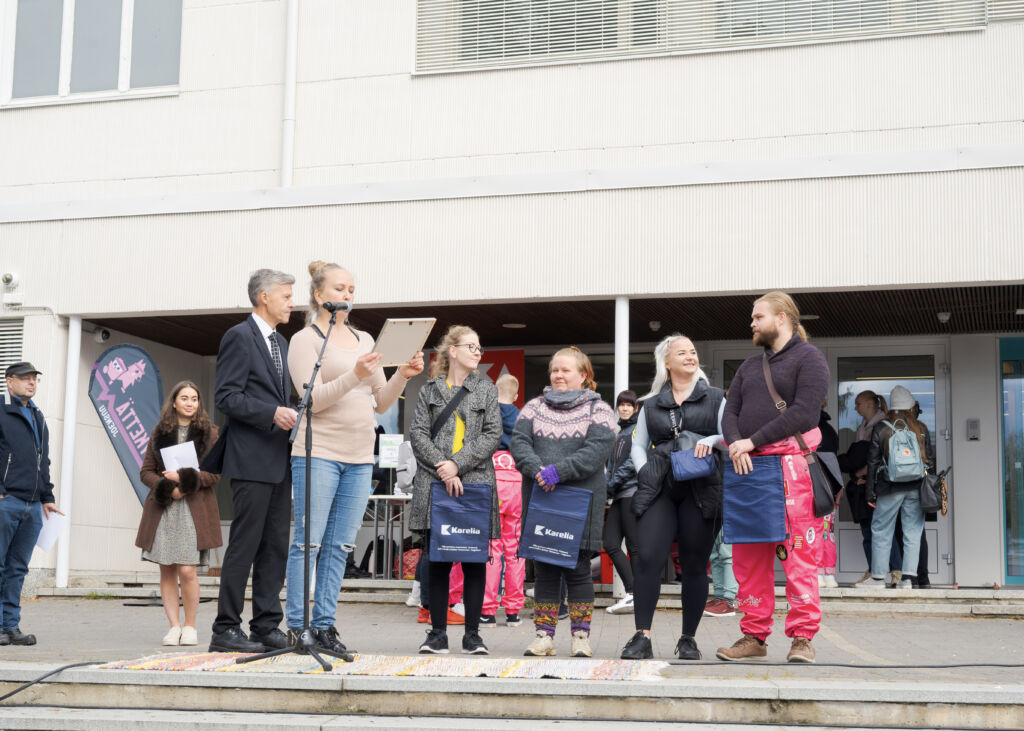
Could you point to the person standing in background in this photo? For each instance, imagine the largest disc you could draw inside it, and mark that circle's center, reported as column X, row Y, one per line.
column 619, row 521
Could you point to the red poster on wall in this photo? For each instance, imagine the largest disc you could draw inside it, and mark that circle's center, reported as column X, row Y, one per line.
column 496, row 363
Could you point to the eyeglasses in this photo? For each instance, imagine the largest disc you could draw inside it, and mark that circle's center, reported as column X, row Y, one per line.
column 28, row 377
column 471, row 347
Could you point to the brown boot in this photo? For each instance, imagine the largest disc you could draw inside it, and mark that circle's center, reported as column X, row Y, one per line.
column 746, row 647
column 801, row 651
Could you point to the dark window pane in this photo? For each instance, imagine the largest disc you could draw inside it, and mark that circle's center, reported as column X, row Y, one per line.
column 95, row 57
column 156, row 43
column 37, row 48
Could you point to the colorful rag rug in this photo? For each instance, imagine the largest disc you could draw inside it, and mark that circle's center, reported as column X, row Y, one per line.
column 408, row 665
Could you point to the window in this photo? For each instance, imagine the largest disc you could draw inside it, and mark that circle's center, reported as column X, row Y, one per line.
column 453, row 35
column 11, row 334
column 81, row 50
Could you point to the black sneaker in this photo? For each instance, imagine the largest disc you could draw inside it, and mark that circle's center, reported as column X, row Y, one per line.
column 686, row 648
column 329, row 640
column 473, row 645
column 487, row 620
column 233, row 639
column 17, row 637
column 5, row 639
column 436, row 643
column 512, row 620
column 563, row 612
column 638, row 648
column 275, row 639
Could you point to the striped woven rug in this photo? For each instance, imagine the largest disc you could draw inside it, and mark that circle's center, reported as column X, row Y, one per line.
column 407, row 665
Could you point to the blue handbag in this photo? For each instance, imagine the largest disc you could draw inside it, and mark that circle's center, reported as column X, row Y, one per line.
column 460, row 527
column 754, row 504
column 686, row 466
column 554, row 524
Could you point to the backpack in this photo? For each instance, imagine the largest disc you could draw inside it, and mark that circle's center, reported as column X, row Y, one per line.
column 406, row 470
column 904, row 463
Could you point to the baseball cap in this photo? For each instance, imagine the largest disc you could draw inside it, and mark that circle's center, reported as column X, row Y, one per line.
column 20, row 369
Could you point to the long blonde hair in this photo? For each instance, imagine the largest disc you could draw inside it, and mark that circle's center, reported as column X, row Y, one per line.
column 452, row 337
column 661, row 370
column 582, row 362
column 317, row 273
column 782, row 302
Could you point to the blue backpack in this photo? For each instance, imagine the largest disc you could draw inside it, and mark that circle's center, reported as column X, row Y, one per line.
column 904, row 463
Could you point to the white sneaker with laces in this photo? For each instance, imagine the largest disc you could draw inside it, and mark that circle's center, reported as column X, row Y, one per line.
column 830, row 581
column 459, row 608
column 905, row 584
column 623, row 606
column 413, row 600
column 871, row 583
column 173, row 636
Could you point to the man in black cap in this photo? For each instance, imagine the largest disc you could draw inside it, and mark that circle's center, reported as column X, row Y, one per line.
column 26, row 493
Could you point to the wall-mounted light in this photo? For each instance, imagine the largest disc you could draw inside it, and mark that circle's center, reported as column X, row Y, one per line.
column 514, row 325
column 655, row 325
column 943, row 317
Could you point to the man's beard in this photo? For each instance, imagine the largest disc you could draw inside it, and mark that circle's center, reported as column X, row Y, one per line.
column 765, row 338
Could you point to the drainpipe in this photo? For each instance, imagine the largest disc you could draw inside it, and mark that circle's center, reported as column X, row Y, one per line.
column 621, row 384
column 67, row 451
column 291, row 48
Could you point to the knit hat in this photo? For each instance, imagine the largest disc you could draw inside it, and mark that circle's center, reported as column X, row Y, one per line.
column 900, row 399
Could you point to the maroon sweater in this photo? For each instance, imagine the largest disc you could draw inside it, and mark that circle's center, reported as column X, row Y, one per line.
column 800, row 374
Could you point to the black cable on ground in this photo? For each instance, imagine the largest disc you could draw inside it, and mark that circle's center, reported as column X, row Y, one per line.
column 44, row 676
column 777, row 664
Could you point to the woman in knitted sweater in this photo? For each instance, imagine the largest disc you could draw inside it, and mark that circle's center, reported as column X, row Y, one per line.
column 565, row 437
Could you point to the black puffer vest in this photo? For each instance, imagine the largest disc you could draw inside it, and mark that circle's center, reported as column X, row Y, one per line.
column 698, row 414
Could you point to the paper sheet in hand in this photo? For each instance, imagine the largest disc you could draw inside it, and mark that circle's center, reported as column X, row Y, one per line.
column 180, row 455
column 52, row 529
column 401, row 339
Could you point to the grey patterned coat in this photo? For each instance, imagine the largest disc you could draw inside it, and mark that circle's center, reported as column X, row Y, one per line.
column 479, row 410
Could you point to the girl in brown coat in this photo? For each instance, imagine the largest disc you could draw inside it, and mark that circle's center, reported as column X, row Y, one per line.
column 180, row 521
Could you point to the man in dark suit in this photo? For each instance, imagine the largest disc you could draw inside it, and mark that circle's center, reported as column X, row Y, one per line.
column 252, row 389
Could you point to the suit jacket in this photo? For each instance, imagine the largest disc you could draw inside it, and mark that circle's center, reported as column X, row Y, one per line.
column 247, row 390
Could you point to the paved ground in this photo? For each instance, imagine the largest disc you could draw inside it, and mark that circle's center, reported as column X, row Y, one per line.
column 72, row 630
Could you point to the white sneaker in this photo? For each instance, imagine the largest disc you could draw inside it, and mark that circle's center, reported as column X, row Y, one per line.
column 460, row 608
column 830, row 581
column 871, row 583
column 529, row 592
column 189, row 636
column 821, row 581
column 173, row 636
column 623, row 606
column 905, row 584
column 413, row 600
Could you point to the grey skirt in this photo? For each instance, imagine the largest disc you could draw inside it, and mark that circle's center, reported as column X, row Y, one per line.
column 175, row 540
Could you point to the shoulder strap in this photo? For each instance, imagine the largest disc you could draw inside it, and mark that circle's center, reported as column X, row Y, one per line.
column 319, row 332
column 446, row 412
column 780, row 403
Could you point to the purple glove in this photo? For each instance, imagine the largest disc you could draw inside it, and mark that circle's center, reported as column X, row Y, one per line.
column 550, row 475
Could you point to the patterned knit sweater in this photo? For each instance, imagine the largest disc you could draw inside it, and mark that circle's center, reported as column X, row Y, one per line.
column 574, row 431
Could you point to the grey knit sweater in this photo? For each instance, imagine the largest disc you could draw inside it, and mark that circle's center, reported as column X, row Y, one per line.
column 574, row 431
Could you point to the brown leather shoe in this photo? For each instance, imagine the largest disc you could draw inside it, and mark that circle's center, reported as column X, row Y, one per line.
column 801, row 651
column 745, row 648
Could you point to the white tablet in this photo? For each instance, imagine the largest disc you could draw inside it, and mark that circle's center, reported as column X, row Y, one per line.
column 402, row 338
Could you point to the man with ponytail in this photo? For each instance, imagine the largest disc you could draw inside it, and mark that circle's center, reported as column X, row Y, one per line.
column 752, row 424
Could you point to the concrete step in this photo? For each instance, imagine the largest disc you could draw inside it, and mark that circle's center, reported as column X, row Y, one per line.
column 799, row 697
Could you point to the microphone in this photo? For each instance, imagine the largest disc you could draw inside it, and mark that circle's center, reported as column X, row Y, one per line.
column 337, row 306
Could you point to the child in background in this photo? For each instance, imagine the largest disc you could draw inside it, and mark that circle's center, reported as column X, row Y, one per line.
column 510, row 509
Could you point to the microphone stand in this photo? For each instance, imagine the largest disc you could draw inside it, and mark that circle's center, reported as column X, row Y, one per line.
column 306, row 644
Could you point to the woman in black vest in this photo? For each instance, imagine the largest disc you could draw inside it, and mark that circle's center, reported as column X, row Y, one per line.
column 680, row 401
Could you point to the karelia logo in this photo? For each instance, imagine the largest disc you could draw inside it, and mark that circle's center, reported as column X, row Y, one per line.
column 540, row 530
column 454, row 530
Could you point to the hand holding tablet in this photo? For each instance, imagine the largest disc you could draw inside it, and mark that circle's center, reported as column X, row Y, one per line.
column 402, row 338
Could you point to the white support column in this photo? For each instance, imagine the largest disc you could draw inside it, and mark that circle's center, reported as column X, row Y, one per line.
column 621, row 384
column 67, row 452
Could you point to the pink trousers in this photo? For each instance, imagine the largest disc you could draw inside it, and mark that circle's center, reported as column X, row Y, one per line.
column 754, row 563
column 510, row 511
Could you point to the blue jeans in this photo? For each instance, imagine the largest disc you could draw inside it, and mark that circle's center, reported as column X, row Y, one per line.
column 20, row 523
column 337, row 502
column 895, row 556
column 883, row 525
column 721, row 570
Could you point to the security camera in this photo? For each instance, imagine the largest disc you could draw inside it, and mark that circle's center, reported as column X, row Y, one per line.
column 10, row 279
column 101, row 336
column 655, row 325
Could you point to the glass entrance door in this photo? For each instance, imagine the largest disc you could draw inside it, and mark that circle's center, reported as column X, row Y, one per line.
column 1011, row 355
column 880, row 369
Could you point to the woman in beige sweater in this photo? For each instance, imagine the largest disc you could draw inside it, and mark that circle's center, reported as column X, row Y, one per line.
column 347, row 391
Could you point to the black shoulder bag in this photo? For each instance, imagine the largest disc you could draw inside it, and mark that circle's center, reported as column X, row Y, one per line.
column 446, row 412
column 826, row 479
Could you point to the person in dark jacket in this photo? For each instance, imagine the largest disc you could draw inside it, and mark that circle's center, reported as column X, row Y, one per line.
column 681, row 404
column 892, row 498
column 619, row 520
column 26, row 493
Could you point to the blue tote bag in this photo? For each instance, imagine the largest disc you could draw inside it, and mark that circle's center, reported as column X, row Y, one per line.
column 754, row 505
column 554, row 525
column 460, row 527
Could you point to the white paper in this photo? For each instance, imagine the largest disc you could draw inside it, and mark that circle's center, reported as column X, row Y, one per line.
column 389, row 444
column 52, row 529
column 180, row 455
